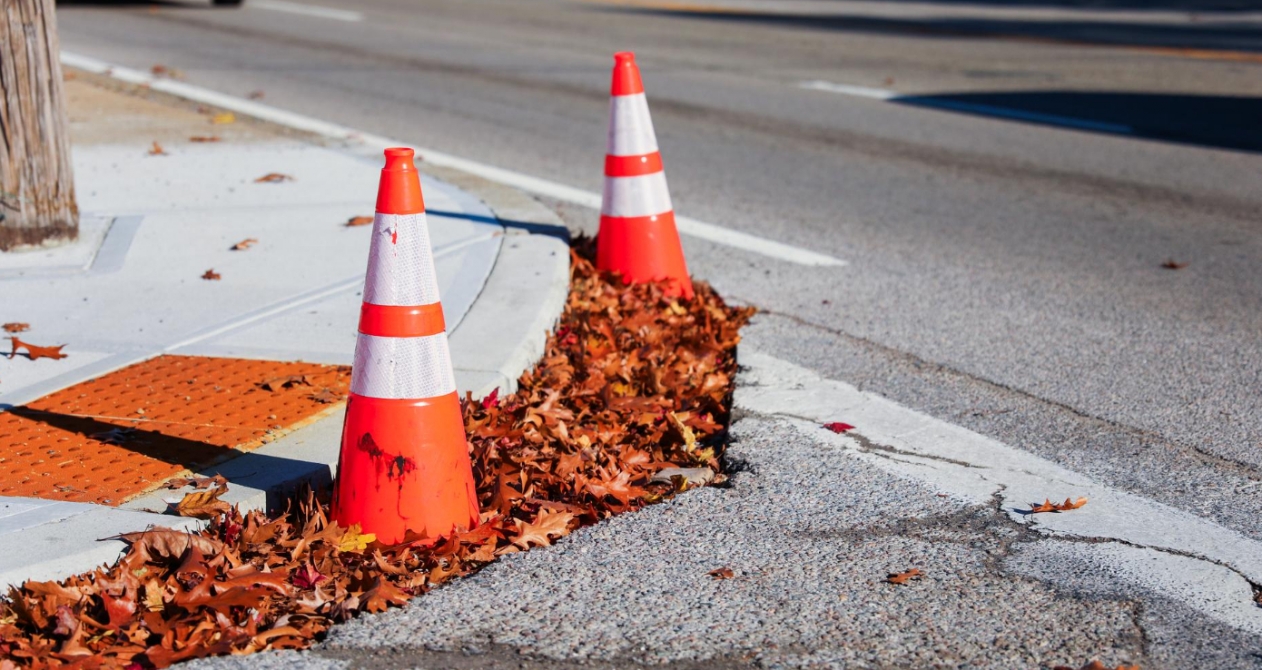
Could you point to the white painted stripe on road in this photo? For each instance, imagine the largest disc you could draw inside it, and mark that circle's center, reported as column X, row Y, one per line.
column 307, row 10
column 688, row 226
column 847, row 89
column 973, row 467
column 935, row 102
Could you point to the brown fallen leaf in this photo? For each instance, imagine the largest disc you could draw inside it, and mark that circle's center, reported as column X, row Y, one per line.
column 196, row 482
column 16, row 327
column 164, row 71
column 273, row 178
column 243, row 244
column 204, row 138
column 1172, row 264
column 211, row 275
column 34, row 352
column 540, row 533
column 359, row 221
column 285, row 382
column 168, row 542
column 203, row 504
column 255, row 95
column 1049, row 506
column 157, row 150
column 223, row 118
column 722, row 573
column 903, row 577
column 327, row 396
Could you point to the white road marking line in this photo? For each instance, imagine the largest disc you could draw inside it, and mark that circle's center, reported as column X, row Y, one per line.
column 307, row 10
column 935, row 102
column 525, row 182
column 975, row 468
column 847, row 89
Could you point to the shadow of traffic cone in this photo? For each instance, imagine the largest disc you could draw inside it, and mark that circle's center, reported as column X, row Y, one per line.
column 637, row 237
column 404, row 464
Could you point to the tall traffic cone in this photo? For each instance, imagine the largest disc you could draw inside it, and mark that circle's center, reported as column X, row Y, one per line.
column 637, row 223
column 404, row 464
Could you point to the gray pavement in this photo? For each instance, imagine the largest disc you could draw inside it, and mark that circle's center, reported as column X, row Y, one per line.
column 1002, row 275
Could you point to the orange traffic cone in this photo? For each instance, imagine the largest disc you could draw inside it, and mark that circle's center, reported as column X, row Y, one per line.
column 637, row 223
column 404, row 464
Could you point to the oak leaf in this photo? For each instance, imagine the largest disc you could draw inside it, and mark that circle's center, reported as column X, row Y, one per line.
column 157, row 150
column 16, row 327
column 722, row 573
column 243, row 244
column 903, row 577
column 540, row 533
column 354, row 541
column 195, row 482
column 326, row 396
column 273, row 178
column 34, row 352
column 204, row 138
column 284, row 382
column 355, row 221
column 1171, row 264
column 307, row 577
column 211, row 275
column 203, row 504
column 382, row 595
column 168, row 542
column 1049, row 506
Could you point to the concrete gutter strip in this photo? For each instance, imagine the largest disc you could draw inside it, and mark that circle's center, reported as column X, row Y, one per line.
column 47, row 540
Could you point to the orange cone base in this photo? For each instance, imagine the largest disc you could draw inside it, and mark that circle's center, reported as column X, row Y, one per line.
column 644, row 249
column 404, row 465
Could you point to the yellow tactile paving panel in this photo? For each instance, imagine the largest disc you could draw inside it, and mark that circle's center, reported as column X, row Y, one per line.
column 112, row 438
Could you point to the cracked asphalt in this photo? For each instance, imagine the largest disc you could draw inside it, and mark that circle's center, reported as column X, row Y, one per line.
column 810, row 535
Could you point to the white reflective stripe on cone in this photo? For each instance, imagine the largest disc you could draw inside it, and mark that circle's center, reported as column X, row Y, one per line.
column 402, row 367
column 630, row 126
column 644, row 195
column 400, row 262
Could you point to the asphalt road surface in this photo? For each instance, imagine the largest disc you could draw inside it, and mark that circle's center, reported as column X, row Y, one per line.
column 1006, row 182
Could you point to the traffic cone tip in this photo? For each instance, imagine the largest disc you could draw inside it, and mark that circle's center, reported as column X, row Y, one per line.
column 626, row 75
column 400, row 189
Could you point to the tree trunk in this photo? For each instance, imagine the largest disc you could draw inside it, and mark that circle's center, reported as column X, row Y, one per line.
column 37, row 204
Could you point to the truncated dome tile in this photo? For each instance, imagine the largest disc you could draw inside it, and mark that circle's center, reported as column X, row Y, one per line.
column 122, row 434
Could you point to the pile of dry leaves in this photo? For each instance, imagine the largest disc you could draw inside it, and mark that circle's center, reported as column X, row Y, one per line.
column 627, row 406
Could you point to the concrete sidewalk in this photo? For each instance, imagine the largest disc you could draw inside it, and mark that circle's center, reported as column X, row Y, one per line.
column 153, row 223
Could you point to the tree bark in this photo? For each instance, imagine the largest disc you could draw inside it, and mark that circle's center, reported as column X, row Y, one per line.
column 37, row 203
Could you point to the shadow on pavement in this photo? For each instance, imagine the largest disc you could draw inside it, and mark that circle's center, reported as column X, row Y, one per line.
column 1216, row 36
column 551, row 230
column 193, row 455
column 1225, row 122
